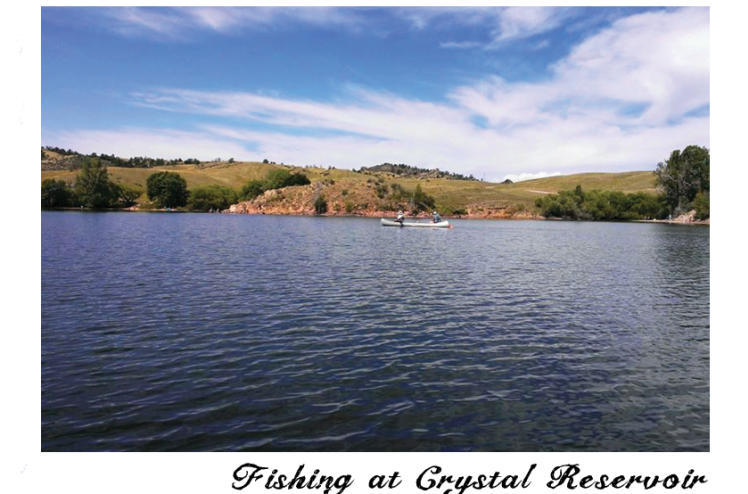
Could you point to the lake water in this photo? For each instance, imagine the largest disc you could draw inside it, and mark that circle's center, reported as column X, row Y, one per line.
column 221, row 332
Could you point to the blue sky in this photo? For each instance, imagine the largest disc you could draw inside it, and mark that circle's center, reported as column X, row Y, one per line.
column 496, row 92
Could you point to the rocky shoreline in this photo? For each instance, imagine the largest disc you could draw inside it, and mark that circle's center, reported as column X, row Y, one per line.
column 251, row 207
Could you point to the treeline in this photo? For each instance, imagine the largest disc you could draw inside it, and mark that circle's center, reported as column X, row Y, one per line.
column 112, row 160
column 602, row 205
column 143, row 161
column 682, row 181
column 404, row 170
column 60, row 151
column 92, row 189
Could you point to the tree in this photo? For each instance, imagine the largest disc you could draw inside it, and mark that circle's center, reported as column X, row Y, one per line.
column 126, row 195
column 56, row 194
column 168, row 189
column 92, row 184
column 683, row 175
column 422, row 201
column 701, row 205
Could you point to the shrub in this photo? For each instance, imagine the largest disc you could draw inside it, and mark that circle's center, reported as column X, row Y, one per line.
column 252, row 189
column 280, row 178
column 382, row 190
column 215, row 197
column 320, row 205
column 602, row 205
column 275, row 179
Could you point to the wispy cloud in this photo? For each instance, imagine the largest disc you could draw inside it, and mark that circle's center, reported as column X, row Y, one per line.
column 132, row 21
column 622, row 99
column 500, row 26
column 523, row 22
column 505, row 24
column 435, row 17
column 180, row 23
column 460, row 45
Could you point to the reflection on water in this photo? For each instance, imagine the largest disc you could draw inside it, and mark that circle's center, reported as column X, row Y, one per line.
column 216, row 332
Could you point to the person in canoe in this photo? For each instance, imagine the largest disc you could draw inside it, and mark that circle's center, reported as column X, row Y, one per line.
column 437, row 218
column 400, row 217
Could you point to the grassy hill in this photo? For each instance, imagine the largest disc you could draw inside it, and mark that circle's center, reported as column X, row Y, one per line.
column 449, row 194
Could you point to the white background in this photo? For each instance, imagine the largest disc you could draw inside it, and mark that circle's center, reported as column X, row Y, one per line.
column 24, row 469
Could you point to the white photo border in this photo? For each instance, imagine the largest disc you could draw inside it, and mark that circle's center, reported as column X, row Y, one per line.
column 205, row 472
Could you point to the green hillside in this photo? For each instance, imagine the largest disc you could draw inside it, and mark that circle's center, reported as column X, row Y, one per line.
column 450, row 194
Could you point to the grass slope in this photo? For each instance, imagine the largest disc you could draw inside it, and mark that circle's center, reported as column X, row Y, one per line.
column 449, row 194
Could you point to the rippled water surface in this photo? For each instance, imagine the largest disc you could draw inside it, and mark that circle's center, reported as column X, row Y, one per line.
column 219, row 332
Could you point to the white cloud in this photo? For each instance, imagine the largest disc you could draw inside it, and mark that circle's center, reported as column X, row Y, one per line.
column 657, row 58
column 619, row 101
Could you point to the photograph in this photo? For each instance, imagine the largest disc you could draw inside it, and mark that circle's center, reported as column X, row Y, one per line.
column 375, row 229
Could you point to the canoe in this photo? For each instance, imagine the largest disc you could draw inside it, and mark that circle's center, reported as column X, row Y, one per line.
column 441, row 224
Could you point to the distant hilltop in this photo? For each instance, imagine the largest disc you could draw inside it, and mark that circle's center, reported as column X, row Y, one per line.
column 403, row 170
column 55, row 159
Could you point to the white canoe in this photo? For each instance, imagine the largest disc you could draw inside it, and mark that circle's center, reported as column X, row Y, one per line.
column 441, row 224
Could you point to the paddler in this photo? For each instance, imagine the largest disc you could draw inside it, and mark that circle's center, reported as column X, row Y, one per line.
column 400, row 217
column 437, row 218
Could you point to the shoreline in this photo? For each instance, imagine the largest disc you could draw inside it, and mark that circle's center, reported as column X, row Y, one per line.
column 674, row 222
column 349, row 215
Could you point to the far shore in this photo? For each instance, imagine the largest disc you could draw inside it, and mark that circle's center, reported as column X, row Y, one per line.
column 422, row 216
